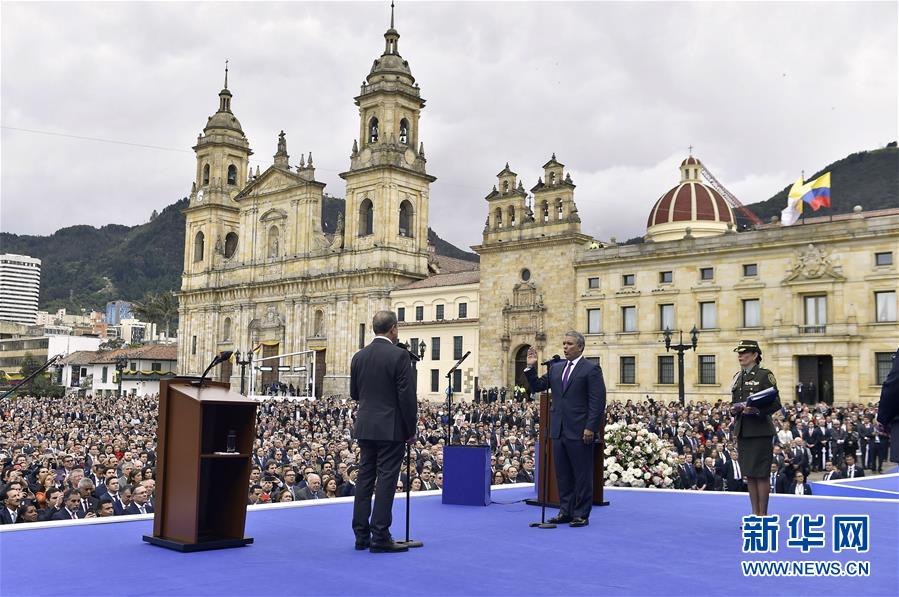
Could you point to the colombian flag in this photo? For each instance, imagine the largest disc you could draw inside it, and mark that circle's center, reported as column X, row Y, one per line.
column 817, row 193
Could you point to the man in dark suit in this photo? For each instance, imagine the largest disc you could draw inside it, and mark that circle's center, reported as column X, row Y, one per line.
column 830, row 473
column 139, row 504
column 888, row 408
column 9, row 509
column 578, row 408
column 852, row 471
column 72, row 507
column 733, row 475
column 381, row 383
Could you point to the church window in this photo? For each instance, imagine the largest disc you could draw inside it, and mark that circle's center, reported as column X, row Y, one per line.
column 226, row 329
column 318, row 328
column 232, row 174
column 373, row 130
column 559, row 209
column 406, row 219
column 404, row 131
column 498, row 218
column 505, row 186
column 273, row 241
column 206, row 174
column 199, row 240
column 545, row 211
column 230, row 245
column 552, row 178
column 525, row 274
column 366, row 218
column 511, row 215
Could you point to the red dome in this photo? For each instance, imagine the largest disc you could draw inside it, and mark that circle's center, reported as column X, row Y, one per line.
column 690, row 201
column 690, row 161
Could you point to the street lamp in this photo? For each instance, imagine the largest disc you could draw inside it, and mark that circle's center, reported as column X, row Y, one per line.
column 248, row 360
column 681, row 348
column 120, row 363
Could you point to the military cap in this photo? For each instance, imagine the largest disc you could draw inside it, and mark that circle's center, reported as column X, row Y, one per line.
column 748, row 345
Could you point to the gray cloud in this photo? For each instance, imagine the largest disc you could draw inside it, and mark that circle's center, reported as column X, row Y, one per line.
column 617, row 90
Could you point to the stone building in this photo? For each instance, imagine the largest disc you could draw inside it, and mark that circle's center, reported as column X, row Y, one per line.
column 259, row 271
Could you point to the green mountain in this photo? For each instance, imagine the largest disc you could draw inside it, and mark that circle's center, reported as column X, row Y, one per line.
column 866, row 178
column 83, row 267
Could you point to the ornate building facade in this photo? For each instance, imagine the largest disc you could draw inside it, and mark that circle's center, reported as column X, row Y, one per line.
column 258, row 268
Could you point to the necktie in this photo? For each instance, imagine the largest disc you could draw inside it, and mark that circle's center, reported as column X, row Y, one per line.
column 772, row 481
column 565, row 375
column 737, row 474
column 143, row 510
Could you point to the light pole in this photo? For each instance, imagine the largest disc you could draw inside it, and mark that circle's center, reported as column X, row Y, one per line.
column 120, row 364
column 681, row 348
column 247, row 361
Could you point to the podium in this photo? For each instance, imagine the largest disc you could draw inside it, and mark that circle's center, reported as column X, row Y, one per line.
column 545, row 464
column 201, row 489
column 466, row 475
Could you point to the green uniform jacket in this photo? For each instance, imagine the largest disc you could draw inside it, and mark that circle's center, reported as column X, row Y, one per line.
column 750, row 382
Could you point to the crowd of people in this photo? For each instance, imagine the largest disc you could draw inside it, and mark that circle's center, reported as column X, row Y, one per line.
column 84, row 457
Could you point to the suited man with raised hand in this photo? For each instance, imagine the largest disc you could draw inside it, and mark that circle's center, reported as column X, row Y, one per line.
column 381, row 383
column 578, row 408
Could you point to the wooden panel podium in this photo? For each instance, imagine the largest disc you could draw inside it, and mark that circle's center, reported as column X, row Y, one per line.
column 545, row 464
column 201, row 488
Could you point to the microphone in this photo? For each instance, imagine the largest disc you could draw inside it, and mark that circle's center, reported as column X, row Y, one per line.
column 219, row 358
column 556, row 358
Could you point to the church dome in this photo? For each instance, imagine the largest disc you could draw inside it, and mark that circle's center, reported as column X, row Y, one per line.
column 691, row 204
column 224, row 118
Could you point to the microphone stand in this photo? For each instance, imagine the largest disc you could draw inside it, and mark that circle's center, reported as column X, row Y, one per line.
column 409, row 542
column 544, row 464
column 449, row 398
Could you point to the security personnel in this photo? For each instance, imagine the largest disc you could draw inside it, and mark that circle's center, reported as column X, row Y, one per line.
column 753, row 427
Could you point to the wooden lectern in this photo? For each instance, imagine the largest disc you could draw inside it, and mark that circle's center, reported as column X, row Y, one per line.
column 201, row 487
column 545, row 464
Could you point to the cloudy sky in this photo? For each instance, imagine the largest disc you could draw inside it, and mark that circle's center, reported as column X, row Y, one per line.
column 617, row 90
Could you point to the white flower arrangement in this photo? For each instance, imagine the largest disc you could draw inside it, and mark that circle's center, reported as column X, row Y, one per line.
column 634, row 457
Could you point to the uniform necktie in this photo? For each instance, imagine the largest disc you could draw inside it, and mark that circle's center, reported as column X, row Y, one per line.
column 566, row 374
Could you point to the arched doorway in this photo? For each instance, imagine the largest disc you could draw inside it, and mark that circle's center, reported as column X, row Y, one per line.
column 518, row 365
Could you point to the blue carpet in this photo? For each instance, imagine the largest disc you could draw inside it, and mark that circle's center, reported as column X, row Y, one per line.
column 877, row 486
column 645, row 543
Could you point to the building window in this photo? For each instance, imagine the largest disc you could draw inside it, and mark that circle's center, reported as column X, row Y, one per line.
column 193, row 345
column 706, row 273
column 230, row 245
column 226, row 329
column 199, row 240
column 666, row 277
column 439, row 312
column 104, row 373
column 366, row 218
column 463, row 310
column 707, row 368
column 457, row 380
column 373, row 130
column 752, row 313
column 886, row 306
column 628, row 319
column 435, row 349
column 206, row 174
column 628, row 370
column 401, row 314
column 419, row 313
column 457, row 347
column 525, row 274
column 232, row 175
column 666, row 369
column 885, row 258
column 666, row 317
column 594, row 360
column 404, row 131
column 592, row 283
column 361, row 336
column 708, row 315
column 628, row 279
column 156, row 367
column 594, row 321
column 815, row 315
column 883, row 364
column 406, row 219
column 750, row 270
column 435, row 380
column 413, row 346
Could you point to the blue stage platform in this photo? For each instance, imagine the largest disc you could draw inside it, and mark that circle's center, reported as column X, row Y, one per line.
column 878, row 486
column 645, row 543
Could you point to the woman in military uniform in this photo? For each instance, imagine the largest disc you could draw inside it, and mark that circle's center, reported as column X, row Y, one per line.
column 753, row 427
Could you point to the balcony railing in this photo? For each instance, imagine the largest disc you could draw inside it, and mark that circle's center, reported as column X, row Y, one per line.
column 813, row 329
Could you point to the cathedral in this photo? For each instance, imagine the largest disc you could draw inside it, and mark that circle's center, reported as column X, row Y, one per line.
column 259, row 270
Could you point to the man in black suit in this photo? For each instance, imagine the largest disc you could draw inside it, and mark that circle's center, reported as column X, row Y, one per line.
column 9, row 510
column 852, row 471
column 381, row 383
column 72, row 507
column 830, row 473
column 733, row 479
column 888, row 407
column 139, row 503
column 578, row 408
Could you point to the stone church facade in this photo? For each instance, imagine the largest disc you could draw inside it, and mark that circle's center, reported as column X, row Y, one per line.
column 259, row 271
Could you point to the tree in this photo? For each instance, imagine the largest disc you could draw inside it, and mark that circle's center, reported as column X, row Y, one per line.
column 160, row 308
column 112, row 344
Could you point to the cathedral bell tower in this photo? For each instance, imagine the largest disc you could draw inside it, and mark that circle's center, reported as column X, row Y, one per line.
column 387, row 184
column 223, row 158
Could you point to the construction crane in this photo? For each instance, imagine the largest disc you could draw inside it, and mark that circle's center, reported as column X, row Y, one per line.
column 729, row 197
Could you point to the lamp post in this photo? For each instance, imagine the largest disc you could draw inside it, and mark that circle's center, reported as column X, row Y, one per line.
column 681, row 348
column 247, row 361
column 120, row 364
